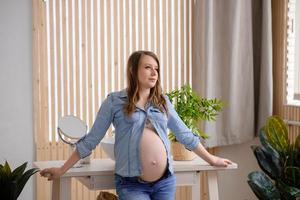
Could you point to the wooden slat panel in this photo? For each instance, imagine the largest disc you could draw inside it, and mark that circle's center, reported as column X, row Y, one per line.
column 58, row 69
column 175, row 47
column 189, row 40
column 168, row 45
column 116, row 49
column 36, row 73
column 153, row 26
column 40, row 83
column 182, row 39
column 157, row 24
column 84, row 68
column 96, row 57
column 165, row 64
column 279, row 33
column 52, row 63
column 43, row 69
column 65, row 55
column 71, row 57
column 102, row 50
column 84, row 61
column 108, row 47
column 90, row 67
column 121, row 44
column 77, row 60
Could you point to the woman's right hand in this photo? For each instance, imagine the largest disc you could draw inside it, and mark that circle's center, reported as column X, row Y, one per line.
column 56, row 172
column 52, row 173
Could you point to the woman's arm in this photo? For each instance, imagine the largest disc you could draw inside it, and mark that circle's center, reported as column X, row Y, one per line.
column 182, row 133
column 211, row 159
column 56, row 172
column 87, row 143
column 189, row 140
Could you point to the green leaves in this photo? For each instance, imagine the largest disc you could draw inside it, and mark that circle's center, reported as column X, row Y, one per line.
column 277, row 134
column 13, row 182
column 279, row 160
column 209, row 108
column 262, row 186
column 288, row 192
column 6, row 168
column 22, row 180
column 297, row 143
column 191, row 108
column 293, row 175
column 268, row 162
column 267, row 157
column 19, row 171
column 297, row 157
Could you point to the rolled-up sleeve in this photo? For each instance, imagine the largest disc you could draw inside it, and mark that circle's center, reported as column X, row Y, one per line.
column 102, row 122
column 182, row 133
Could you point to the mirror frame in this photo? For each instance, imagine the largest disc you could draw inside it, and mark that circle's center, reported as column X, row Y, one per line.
column 61, row 133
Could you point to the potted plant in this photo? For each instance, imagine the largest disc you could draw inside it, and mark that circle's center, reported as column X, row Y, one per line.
column 192, row 109
column 13, row 182
column 279, row 160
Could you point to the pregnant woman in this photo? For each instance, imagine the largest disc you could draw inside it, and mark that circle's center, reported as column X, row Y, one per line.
column 141, row 115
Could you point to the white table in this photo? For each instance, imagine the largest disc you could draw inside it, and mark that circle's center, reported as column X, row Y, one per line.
column 99, row 175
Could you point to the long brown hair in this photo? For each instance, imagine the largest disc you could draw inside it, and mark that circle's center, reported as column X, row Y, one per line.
column 156, row 98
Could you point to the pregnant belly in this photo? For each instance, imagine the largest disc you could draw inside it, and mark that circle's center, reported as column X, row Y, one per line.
column 153, row 156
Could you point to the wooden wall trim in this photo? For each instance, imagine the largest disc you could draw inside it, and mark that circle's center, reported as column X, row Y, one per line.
column 279, row 24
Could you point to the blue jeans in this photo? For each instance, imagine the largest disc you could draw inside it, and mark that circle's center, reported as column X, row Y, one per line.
column 133, row 188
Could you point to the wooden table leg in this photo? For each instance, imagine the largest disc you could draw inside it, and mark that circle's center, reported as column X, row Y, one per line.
column 213, row 190
column 61, row 189
column 196, row 187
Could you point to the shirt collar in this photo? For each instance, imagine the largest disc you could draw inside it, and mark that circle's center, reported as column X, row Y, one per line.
column 122, row 93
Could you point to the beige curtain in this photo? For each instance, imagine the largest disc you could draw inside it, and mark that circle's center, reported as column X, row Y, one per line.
column 232, row 61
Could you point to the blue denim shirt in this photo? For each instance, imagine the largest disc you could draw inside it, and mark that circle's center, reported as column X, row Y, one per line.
column 128, row 132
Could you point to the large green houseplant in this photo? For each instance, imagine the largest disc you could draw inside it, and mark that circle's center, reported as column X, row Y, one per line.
column 13, row 182
column 279, row 160
column 192, row 109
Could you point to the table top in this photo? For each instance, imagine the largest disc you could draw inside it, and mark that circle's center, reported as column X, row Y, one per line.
column 107, row 166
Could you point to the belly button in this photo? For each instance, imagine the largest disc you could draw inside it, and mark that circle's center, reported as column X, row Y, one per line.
column 153, row 162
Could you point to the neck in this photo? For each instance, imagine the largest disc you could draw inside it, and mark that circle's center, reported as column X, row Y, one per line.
column 144, row 94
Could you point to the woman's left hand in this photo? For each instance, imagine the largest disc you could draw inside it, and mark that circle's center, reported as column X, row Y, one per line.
column 211, row 159
column 220, row 162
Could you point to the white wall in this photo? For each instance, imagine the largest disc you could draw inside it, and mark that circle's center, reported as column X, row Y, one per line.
column 233, row 184
column 16, row 128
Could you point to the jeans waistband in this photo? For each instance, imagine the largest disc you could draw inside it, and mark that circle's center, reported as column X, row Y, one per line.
column 166, row 174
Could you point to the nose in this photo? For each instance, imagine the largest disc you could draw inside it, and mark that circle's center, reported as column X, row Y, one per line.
column 153, row 72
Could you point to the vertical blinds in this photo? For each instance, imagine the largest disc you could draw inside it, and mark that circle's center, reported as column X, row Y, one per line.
column 88, row 43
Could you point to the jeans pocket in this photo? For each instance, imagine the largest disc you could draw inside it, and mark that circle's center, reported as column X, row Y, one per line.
column 119, row 180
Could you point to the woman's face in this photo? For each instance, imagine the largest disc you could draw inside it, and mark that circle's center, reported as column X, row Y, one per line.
column 147, row 72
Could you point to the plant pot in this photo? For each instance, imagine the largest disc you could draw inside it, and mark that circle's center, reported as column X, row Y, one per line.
column 180, row 153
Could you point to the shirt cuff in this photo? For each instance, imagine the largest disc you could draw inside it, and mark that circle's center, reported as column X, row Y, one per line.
column 194, row 144
column 81, row 149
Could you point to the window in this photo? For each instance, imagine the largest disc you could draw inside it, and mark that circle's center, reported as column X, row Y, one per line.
column 293, row 53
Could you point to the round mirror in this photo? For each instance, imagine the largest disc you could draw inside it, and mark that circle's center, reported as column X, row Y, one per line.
column 71, row 127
